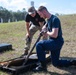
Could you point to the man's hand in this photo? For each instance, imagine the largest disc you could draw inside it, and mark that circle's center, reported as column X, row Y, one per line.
column 28, row 37
column 44, row 29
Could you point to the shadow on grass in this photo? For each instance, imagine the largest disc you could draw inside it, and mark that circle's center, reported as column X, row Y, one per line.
column 68, row 58
column 70, row 69
column 40, row 73
column 3, row 51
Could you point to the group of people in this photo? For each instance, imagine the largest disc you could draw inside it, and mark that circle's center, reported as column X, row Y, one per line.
column 35, row 20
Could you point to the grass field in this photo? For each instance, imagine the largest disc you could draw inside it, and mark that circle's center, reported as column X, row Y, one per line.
column 14, row 33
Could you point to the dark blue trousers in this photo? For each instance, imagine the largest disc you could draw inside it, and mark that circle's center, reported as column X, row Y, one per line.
column 54, row 46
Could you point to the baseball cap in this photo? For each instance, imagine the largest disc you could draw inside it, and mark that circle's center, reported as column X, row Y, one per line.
column 31, row 10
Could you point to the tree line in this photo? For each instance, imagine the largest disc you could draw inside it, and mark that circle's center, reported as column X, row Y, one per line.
column 11, row 16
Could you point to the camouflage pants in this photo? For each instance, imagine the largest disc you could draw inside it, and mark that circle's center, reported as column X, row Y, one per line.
column 33, row 29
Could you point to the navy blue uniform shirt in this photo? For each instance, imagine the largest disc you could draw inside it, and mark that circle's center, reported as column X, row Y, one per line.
column 54, row 22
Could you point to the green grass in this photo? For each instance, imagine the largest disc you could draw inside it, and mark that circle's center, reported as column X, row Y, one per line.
column 68, row 26
column 14, row 33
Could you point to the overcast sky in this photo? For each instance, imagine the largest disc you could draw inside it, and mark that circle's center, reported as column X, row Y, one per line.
column 54, row 6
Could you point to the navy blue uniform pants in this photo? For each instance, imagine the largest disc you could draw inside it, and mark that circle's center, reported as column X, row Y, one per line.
column 54, row 46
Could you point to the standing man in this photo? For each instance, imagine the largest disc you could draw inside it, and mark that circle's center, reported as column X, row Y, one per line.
column 53, row 44
column 33, row 23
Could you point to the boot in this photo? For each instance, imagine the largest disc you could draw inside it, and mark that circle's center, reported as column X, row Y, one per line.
column 25, row 53
column 73, row 62
column 41, row 67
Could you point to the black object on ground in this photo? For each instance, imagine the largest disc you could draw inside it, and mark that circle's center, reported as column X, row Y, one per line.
column 5, row 47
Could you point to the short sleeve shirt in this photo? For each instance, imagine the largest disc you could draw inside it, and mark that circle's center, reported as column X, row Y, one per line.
column 54, row 22
column 35, row 20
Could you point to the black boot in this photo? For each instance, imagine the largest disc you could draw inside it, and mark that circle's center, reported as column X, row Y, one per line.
column 41, row 67
column 73, row 62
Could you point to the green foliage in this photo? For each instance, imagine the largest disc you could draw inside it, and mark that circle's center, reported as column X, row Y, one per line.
column 13, row 16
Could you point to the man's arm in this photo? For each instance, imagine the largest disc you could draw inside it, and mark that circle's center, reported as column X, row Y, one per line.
column 27, row 28
column 54, row 33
